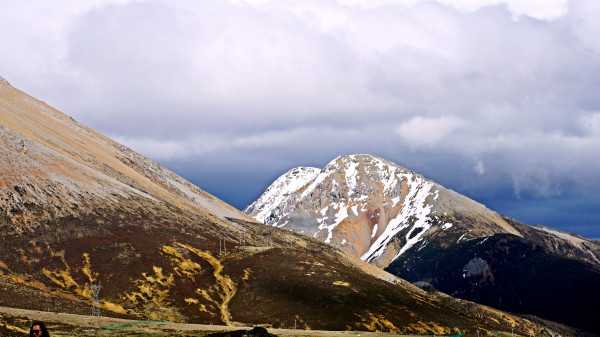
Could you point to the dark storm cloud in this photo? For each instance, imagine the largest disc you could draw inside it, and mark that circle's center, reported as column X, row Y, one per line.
column 483, row 96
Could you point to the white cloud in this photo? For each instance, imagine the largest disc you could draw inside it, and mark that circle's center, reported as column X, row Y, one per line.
column 539, row 9
column 210, row 145
column 502, row 87
column 591, row 125
column 428, row 132
column 479, row 168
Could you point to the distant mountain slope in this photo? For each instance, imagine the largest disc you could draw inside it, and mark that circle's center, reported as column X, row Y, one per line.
column 77, row 209
column 393, row 217
column 510, row 273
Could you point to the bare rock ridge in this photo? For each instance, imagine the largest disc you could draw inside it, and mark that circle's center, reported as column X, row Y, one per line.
column 77, row 209
column 396, row 219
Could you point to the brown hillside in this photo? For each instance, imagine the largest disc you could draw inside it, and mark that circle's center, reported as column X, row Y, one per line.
column 77, row 208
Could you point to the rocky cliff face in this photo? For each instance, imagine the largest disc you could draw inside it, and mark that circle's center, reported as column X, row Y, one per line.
column 397, row 219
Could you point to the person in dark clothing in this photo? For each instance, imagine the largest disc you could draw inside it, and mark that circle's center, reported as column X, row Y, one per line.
column 38, row 329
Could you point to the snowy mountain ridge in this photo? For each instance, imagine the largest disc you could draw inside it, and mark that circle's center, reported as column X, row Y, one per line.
column 377, row 210
column 280, row 191
column 360, row 203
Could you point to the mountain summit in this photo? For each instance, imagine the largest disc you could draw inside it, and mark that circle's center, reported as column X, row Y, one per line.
column 370, row 207
column 415, row 228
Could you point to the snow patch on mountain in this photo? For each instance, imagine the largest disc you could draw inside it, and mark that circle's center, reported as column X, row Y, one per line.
column 414, row 214
column 374, row 231
column 280, row 191
column 340, row 216
column 447, row 225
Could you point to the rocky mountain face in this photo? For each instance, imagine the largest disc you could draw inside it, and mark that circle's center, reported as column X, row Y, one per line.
column 78, row 209
column 396, row 219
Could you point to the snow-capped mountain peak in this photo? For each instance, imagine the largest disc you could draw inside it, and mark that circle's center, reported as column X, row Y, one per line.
column 360, row 203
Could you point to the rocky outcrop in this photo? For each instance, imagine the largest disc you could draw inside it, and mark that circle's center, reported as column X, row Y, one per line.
column 475, row 267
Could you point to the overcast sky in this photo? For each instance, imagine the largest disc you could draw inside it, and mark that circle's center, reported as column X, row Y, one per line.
column 496, row 99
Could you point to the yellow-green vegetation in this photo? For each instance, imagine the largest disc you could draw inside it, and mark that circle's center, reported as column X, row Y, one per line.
column 247, row 273
column 64, row 279
column 378, row 323
column 182, row 266
column 224, row 287
column 153, row 293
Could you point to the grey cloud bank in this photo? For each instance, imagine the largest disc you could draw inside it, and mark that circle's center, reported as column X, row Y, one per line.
column 495, row 99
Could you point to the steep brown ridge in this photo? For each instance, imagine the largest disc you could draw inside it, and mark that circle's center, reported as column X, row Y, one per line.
column 47, row 141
